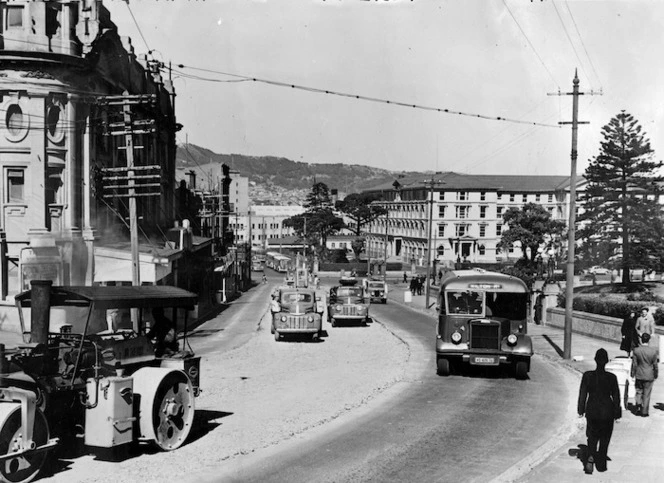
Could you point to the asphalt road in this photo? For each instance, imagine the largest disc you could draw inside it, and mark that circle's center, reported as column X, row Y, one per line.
column 469, row 427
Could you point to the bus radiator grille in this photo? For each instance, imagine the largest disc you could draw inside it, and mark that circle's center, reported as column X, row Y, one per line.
column 485, row 336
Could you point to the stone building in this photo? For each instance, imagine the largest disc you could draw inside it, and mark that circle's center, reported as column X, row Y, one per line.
column 60, row 131
column 466, row 216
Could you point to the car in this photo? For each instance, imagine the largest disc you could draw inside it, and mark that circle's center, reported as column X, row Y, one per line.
column 597, row 270
column 347, row 303
column 376, row 290
column 299, row 313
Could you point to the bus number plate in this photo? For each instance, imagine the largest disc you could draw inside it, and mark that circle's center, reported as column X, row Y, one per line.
column 484, row 360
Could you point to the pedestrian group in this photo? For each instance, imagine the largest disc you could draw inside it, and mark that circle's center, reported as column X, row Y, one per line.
column 599, row 394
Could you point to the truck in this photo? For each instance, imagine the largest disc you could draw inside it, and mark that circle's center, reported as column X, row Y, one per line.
column 347, row 303
column 298, row 313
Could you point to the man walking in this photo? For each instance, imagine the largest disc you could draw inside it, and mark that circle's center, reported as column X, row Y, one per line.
column 644, row 370
column 599, row 400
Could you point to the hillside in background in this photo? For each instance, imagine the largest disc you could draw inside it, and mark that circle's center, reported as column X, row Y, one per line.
column 274, row 180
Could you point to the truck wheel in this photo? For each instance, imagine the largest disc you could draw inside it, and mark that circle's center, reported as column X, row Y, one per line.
column 521, row 370
column 277, row 335
column 443, row 367
column 333, row 322
column 23, row 468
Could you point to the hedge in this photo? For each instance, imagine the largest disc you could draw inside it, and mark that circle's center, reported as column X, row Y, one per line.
column 617, row 307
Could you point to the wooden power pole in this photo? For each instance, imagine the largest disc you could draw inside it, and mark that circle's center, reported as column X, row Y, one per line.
column 571, row 230
column 125, row 182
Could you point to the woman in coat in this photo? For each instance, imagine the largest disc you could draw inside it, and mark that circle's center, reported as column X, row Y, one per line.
column 630, row 338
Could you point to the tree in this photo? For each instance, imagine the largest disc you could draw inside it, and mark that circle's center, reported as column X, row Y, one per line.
column 620, row 207
column 357, row 207
column 319, row 221
column 532, row 227
column 357, row 245
column 318, row 197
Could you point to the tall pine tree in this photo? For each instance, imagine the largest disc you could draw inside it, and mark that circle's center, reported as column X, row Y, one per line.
column 620, row 208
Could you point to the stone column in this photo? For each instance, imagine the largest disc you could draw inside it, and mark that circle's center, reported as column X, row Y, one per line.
column 89, row 211
column 38, row 168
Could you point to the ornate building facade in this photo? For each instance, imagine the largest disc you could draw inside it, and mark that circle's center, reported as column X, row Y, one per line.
column 63, row 64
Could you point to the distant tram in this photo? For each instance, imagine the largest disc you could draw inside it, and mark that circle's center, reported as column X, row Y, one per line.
column 277, row 261
column 482, row 321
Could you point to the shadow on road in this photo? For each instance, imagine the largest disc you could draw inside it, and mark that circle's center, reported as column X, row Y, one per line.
column 554, row 345
column 205, row 421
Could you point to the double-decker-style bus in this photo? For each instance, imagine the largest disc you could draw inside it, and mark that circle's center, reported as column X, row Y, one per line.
column 277, row 261
column 482, row 321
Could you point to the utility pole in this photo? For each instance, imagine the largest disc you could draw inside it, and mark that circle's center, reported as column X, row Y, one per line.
column 124, row 182
column 387, row 221
column 431, row 182
column 133, row 225
column 571, row 231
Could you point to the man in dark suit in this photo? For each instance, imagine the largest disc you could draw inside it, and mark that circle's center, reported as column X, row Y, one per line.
column 599, row 400
column 644, row 369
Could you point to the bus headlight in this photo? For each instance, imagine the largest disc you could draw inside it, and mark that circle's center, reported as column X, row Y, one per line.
column 337, row 308
column 511, row 339
column 284, row 318
column 456, row 337
column 310, row 319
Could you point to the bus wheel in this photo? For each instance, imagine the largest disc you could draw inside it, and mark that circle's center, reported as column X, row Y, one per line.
column 443, row 366
column 277, row 335
column 333, row 322
column 521, row 370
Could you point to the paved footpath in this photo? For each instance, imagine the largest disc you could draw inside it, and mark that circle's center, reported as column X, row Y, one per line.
column 636, row 447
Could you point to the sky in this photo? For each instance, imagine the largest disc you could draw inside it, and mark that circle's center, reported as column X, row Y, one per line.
column 494, row 58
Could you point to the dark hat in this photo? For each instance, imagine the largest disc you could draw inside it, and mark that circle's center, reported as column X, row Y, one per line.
column 645, row 337
column 601, row 356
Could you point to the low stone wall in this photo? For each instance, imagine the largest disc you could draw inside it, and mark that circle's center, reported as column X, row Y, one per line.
column 592, row 325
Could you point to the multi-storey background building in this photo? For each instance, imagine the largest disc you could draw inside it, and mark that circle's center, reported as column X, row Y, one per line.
column 263, row 223
column 466, row 215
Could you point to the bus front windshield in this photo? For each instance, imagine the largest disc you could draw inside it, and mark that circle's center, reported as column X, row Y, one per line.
column 509, row 305
column 466, row 302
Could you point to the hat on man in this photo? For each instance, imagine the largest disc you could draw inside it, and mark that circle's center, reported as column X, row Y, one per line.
column 601, row 356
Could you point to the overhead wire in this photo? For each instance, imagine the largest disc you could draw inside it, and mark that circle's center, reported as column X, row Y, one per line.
column 581, row 63
column 138, row 26
column 364, row 98
column 531, row 44
column 592, row 65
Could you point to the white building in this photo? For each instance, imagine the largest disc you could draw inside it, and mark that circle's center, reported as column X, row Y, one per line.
column 238, row 193
column 263, row 223
column 466, row 215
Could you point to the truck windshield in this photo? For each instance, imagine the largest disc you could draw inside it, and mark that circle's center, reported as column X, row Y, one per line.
column 290, row 298
column 349, row 292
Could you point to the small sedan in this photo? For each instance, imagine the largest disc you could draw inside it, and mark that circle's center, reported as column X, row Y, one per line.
column 597, row 270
